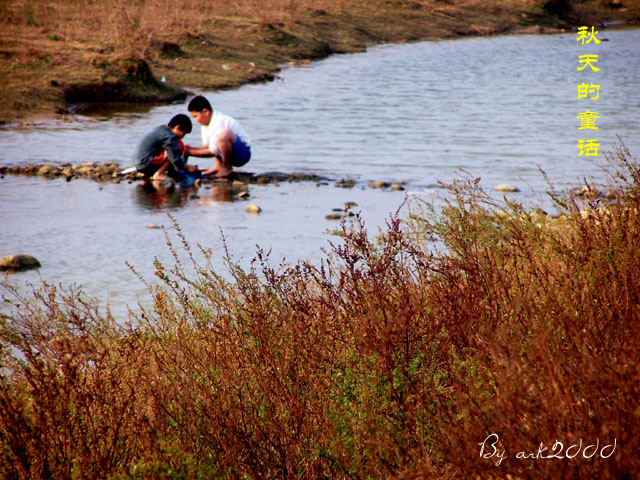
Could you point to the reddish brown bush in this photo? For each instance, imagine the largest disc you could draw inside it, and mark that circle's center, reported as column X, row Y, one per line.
column 388, row 359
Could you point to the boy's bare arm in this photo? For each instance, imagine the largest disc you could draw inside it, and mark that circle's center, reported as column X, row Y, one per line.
column 202, row 151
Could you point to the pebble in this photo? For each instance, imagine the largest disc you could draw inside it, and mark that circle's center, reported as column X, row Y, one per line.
column 378, row 184
column 67, row 173
column 503, row 187
column 48, row 170
column 153, row 226
column 345, row 183
column 253, row 208
column 586, row 191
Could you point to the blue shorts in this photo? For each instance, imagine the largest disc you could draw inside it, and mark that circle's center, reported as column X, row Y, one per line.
column 241, row 153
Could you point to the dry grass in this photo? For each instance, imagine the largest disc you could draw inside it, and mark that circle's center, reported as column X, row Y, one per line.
column 49, row 48
column 383, row 361
column 128, row 29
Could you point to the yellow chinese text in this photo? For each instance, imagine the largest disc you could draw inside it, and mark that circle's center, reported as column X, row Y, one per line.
column 588, row 60
column 588, row 148
column 591, row 91
column 586, row 36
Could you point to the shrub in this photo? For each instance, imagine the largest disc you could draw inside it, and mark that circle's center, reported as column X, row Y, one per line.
column 388, row 359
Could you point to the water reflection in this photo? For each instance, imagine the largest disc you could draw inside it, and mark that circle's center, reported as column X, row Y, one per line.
column 221, row 193
column 166, row 195
column 160, row 195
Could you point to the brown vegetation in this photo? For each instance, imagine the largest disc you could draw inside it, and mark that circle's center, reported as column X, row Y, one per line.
column 59, row 53
column 387, row 360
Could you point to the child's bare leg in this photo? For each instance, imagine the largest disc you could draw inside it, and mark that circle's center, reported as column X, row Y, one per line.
column 161, row 173
column 225, row 145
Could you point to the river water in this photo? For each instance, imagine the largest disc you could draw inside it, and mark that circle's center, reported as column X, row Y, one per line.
column 415, row 113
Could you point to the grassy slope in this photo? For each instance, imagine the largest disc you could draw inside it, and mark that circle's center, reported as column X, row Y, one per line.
column 48, row 65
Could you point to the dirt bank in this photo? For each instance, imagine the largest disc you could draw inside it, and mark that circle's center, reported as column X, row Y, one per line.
column 57, row 64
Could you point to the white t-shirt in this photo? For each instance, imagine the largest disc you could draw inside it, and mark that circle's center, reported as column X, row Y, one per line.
column 220, row 121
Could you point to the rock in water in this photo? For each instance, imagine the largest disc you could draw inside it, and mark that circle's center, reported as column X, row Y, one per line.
column 506, row 188
column 18, row 262
column 253, row 209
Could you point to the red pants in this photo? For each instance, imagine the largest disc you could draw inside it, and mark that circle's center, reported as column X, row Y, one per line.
column 162, row 157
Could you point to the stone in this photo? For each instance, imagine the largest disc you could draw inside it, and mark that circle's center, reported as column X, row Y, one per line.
column 48, row 171
column 30, row 170
column 262, row 180
column 153, row 226
column 378, row 184
column 397, row 187
column 333, row 216
column 114, row 169
column 68, row 173
column 18, row 262
column 586, row 191
column 84, row 171
column 85, row 165
column 253, row 208
column 345, row 183
column 350, row 204
column 503, row 187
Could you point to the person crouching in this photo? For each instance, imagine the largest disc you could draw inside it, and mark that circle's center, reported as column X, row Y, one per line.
column 161, row 152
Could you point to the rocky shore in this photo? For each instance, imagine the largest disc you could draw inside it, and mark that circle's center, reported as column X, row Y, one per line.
column 112, row 172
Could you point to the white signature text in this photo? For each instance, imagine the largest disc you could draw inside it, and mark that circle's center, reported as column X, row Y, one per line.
column 489, row 449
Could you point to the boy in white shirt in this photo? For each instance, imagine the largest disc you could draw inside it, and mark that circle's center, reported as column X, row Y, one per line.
column 223, row 138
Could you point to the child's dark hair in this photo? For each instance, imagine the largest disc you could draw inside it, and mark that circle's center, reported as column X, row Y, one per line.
column 199, row 103
column 182, row 121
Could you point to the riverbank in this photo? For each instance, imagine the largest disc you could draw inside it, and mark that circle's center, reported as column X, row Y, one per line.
column 73, row 57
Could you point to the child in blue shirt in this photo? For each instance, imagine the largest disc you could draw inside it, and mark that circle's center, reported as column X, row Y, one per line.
column 162, row 152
